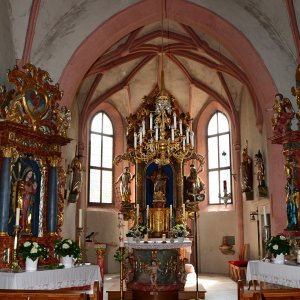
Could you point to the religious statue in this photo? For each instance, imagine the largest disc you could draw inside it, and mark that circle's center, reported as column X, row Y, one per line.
column 283, row 114
column 260, row 174
column 194, row 186
column 125, row 178
column 26, row 194
column 247, row 175
column 160, row 182
column 153, row 269
column 76, row 181
column 128, row 269
column 292, row 195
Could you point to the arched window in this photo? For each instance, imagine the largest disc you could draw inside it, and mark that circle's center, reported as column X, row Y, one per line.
column 219, row 158
column 101, row 160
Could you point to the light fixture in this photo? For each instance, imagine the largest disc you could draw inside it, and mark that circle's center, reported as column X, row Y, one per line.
column 158, row 131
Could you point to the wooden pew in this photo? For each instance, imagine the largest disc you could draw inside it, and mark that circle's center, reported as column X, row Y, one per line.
column 41, row 295
column 245, row 295
column 279, row 294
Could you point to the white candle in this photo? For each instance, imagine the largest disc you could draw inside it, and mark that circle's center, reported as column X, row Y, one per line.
column 183, row 210
column 174, row 118
column 135, row 140
column 80, row 218
column 151, row 121
column 172, row 134
column 171, row 213
column 265, row 216
column 183, row 143
column 164, row 237
column 187, row 136
column 141, row 136
column 192, row 139
column 15, row 242
column 156, row 133
column 121, row 239
column 17, row 216
column 137, row 213
column 180, row 127
column 147, row 214
column 146, row 237
column 144, row 127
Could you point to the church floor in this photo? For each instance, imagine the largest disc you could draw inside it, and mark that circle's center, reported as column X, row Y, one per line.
column 218, row 287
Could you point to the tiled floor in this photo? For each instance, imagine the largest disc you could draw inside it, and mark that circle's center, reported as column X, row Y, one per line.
column 218, row 287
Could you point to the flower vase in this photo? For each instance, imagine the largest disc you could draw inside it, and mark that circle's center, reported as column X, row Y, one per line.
column 130, row 239
column 180, row 239
column 31, row 265
column 67, row 261
column 279, row 259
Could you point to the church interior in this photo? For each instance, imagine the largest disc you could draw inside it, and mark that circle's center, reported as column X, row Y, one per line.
column 144, row 118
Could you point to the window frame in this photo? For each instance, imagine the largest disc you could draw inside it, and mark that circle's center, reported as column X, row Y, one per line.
column 218, row 168
column 101, row 168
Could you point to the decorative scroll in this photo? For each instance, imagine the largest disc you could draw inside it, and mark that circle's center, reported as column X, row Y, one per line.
column 34, row 102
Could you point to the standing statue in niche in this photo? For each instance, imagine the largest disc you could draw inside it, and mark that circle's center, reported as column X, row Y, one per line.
column 247, row 174
column 125, row 178
column 159, row 180
column 26, row 190
column 194, row 186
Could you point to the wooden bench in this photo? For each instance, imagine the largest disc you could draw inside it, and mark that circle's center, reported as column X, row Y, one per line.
column 41, row 295
column 268, row 294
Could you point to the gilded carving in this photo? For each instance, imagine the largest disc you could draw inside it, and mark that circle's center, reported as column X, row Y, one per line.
column 9, row 152
column 54, row 161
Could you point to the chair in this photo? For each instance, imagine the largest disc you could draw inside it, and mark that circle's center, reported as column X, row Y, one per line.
column 237, row 268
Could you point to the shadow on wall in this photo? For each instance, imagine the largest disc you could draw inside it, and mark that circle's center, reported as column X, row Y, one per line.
column 105, row 224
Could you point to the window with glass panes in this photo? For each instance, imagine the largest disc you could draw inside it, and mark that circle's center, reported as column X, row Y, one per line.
column 101, row 160
column 219, row 158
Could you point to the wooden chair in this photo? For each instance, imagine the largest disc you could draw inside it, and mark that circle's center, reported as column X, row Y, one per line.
column 237, row 268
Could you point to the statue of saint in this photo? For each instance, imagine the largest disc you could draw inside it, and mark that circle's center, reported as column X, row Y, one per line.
column 292, row 205
column 194, row 186
column 247, row 175
column 26, row 193
column 260, row 169
column 76, row 168
column 160, row 182
column 125, row 178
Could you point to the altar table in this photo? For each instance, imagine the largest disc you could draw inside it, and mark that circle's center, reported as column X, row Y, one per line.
column 45, row 279
column 287, row 274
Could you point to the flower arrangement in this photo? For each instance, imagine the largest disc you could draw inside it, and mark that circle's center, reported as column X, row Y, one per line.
column 33, row 250
column 179, row 230
column 278, row 244
column 137, row 231
column 66, row 247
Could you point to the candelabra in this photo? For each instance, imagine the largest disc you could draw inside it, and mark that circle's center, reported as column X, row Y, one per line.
column 121, row 272
column 15, row 264
column 79, row 234
column 155, row 134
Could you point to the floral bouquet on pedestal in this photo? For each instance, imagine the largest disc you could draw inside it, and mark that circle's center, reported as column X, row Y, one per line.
column 33, row 250
column 66, row 247
column 179, row 230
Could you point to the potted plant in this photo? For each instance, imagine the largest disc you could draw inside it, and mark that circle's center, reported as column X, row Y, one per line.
column 179, row 231
column 68, row 250
column 279, row 246
column 131, row 234
column 32, row 251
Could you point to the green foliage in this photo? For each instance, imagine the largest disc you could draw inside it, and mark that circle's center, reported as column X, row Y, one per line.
column 120, row 255
column 66, row 247
column 278, row 244
column 179, row 230
column 33, row 250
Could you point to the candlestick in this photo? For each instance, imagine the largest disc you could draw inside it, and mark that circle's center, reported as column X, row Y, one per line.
column 174, row 119
column 151, row 121
column 80, row 218
column 180, row 127
column 15, row 264
column 17, row 216
column 265, row 216
column 183, row 211
column 171, row 215
column 135, row 140
column 80, row 259
column 225, row 187
column 164, row 238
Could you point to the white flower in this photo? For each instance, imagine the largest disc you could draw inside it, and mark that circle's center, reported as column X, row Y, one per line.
column 282, row 237
column 275, row 247
column 65, row 246
column 27, row 244
column 34, row 250
column 69, row 241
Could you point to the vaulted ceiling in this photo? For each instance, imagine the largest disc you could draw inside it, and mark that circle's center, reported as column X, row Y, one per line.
column 207, row 49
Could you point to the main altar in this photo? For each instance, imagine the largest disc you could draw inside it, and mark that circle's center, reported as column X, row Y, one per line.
column 160, row 142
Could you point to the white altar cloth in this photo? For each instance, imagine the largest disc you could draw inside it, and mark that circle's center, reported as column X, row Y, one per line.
column 286, row 274
column 158, row 244
column 51, row 279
